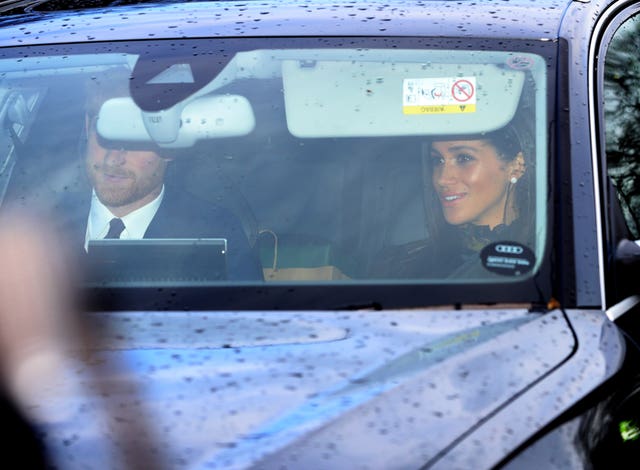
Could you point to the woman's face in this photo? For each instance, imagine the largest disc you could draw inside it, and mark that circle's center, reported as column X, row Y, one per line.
column 471, row 181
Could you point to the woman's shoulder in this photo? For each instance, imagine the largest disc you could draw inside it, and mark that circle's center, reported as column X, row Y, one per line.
column 414, row 260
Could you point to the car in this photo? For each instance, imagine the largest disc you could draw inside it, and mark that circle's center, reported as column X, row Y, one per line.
column 373, row 234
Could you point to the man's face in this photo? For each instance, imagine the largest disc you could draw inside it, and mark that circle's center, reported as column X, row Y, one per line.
column 124, row 180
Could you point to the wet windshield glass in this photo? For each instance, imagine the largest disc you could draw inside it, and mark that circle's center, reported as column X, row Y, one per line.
column 205, row 162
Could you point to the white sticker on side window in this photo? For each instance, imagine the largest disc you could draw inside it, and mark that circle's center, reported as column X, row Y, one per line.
column 439, row 95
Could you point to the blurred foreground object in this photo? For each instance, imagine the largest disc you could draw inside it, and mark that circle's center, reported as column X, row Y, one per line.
column 44, row 343
column 34, row 304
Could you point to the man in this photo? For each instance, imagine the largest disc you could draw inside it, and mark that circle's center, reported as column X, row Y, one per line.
column 131, row 201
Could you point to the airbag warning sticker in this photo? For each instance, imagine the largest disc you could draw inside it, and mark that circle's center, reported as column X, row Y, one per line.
column 439, row 95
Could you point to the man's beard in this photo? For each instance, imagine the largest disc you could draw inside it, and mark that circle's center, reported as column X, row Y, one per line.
column 122, row 192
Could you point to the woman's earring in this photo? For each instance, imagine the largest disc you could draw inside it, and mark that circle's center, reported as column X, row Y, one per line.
column 514, row 180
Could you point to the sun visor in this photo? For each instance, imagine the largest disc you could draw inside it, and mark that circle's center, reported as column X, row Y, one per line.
column 368, row 98
column 208, row 117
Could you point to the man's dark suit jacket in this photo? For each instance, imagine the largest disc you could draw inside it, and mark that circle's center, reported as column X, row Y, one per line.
column 180, row 215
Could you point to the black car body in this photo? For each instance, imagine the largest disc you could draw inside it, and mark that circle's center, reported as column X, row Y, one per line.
column 323, row 112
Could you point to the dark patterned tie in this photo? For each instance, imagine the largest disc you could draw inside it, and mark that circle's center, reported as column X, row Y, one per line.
column 116, row 226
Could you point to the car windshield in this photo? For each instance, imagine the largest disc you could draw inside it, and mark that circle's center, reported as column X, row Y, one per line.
column 236, row 162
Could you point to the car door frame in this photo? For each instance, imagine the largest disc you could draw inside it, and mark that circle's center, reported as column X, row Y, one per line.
column 612, row 233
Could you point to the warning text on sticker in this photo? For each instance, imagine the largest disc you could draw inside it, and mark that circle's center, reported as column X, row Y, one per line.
column 471, row 108
column 443, row 95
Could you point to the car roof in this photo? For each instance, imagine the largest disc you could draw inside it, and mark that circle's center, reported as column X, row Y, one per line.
column 528, row 19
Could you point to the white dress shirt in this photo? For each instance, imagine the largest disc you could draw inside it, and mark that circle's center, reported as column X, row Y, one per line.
column 135, row 223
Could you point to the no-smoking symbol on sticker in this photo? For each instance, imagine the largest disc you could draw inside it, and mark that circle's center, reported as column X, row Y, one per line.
column 462, row 90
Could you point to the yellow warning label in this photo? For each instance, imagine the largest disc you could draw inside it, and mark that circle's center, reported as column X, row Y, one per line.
column 440, row 109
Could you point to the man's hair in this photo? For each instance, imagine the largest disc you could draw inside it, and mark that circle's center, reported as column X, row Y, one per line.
column 111, row 83
column 107, row 84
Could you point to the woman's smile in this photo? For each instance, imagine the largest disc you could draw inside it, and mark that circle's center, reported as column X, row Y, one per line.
column 450, row 200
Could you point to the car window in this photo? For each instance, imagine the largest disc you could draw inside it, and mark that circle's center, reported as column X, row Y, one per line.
column 621, row 116
column 242, row 162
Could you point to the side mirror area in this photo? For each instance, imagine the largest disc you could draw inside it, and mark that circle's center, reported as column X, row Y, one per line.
column 624, row 286
column 623, row 253
column 626, row 278
column 628, row 253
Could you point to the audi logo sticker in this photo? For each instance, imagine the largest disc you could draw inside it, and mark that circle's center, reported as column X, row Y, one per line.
column 512, row 249
column 507, row 258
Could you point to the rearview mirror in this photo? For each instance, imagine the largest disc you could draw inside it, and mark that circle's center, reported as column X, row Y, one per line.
column 209, row 117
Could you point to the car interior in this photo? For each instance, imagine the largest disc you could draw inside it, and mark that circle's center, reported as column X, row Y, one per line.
column 319, row 195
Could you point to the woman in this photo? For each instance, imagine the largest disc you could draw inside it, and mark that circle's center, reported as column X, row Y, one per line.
column 478, row 191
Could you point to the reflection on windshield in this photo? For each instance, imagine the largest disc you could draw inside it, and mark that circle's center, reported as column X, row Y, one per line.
column 286, row 165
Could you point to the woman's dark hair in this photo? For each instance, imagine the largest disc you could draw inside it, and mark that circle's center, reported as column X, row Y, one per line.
column 509, row 142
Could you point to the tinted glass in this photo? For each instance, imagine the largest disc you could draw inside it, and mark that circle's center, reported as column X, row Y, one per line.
column 621, row 117
column 231, row 161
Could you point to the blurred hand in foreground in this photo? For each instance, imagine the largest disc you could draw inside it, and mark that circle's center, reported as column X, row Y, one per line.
column 35, row 328
column 44, row 342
